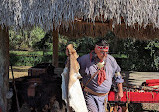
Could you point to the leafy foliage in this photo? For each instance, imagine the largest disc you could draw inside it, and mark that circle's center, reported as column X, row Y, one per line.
column 131, row 54
column 140, row 55
column 29, row 59
column 44, row 43
column 24, row 40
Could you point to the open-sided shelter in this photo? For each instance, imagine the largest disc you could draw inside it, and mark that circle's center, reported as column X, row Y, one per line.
column 74, row 18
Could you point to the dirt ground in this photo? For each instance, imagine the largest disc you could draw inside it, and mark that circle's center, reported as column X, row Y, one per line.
column 18, row 71
column 131, row 78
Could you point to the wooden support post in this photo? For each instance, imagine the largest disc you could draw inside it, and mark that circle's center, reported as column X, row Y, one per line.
column 4, row 67
column 55, row 48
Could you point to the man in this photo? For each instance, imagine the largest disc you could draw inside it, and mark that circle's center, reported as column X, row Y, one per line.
column 98, row 68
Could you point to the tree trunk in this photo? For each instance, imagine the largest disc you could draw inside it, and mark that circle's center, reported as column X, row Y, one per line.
column 55, row 48
column 4, row 67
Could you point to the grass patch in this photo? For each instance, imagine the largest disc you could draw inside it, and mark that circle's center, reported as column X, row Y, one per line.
column 119, row 55
column 30, row 53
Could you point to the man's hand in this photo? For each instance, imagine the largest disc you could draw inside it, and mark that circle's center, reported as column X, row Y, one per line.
column 120, row 92
column 119, row 96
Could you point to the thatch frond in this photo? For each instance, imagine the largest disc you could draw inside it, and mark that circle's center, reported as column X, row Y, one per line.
column 50, row 14
column 81, row 29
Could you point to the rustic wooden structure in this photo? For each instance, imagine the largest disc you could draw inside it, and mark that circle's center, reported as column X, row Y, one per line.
column 99, row 29
column 75, row 18
column 41, row 92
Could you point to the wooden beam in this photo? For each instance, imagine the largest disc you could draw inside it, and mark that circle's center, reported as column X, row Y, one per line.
column 4, row 67
column 55, row 48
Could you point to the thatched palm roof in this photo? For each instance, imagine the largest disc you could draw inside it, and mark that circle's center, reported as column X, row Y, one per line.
column 50, row 14
column 80, row 29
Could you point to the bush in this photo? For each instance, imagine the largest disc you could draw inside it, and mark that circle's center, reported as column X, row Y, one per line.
column 131, row 54
column 29, row 60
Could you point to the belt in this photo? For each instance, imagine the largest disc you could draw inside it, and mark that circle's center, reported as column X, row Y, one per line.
column 86, row 89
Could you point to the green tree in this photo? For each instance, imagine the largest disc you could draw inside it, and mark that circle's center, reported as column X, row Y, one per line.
column 24, row 40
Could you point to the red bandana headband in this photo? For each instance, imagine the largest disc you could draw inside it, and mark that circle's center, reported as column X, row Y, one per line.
column 102, row 48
